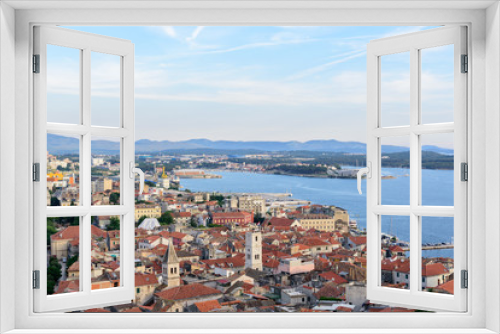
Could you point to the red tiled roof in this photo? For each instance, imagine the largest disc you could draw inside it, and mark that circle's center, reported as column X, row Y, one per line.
column 314, row 241
column 181, row 214
column 401, row 265
column 231, row 215
column 68, row 286
column 331, row 276
column 133, row 310
column 73, row 232
column 208, row 305
column 448, row 287
column 96, row 310
column 145, row 279
column 434, row 269
column 275, row 221
column 358, row 240
column 343, row 309
column 189, row 291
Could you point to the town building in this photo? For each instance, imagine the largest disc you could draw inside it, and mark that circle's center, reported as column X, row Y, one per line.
column 253, row 250
column 170, row 267
column 226, row 218
column 149, row 211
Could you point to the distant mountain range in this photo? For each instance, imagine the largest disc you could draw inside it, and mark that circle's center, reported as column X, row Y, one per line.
column 66, row 145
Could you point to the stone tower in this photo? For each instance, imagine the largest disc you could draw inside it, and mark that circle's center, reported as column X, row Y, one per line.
column 170, row 267
column 253, row 250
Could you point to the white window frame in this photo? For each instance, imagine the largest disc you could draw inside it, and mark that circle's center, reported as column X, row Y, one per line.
column 412, row 44
column 86, row 44
column 483, row 20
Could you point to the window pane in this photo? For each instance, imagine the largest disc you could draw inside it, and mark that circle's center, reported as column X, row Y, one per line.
column 105, row 89
column 63, row 170
column 63, row 85
column 395, row 172
column 437, row 254
column 395, row 243
column 105, row 171
column 437, row 169
column 437, row 84
column 63, row 243
column 395, row 89
column 105, row 252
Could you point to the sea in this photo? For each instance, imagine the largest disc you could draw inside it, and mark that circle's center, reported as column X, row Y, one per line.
column 437, row 189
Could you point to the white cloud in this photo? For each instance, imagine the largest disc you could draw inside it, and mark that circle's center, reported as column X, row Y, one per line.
column 195, row 34
column 257, row 45
column 170, row 31
column 344, row 57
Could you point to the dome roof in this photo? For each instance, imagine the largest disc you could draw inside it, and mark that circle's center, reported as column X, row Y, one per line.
column 149, row 224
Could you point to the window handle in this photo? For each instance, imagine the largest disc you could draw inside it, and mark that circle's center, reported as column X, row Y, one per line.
column 368, row 171
column 134, row 170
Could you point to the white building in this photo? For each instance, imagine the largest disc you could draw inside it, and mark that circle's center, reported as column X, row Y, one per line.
column 253, row 250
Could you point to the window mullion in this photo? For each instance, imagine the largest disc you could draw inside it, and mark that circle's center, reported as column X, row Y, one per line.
column 415, row 175
column 85, row 172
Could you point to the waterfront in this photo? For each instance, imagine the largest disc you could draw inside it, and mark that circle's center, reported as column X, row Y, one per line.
column 437, row 189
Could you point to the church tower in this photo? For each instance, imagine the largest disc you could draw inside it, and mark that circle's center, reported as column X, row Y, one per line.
column 165, row 182
column 170, row 267
column 253, row 250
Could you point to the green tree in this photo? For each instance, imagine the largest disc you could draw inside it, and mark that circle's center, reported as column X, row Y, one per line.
column 54, row 269
column 258, row 218
column 166, row 218
column 70, row 262
column 51, row 229
column 114, row 198
column 114, row 223
column 217, row 197
column 141, row 219
column 75, row 221
column 193, row 223
column 54, row 201
column 51, row 284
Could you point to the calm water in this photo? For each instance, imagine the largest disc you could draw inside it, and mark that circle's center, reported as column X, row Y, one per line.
column 437, row 189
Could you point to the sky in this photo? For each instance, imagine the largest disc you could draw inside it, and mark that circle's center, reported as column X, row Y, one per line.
column 252, row 83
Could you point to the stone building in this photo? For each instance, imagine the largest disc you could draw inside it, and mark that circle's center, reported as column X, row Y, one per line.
column 170, row 267
column 253, row 250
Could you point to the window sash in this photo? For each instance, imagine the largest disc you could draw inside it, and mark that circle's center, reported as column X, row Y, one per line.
column 86, row 297
column 414, row 297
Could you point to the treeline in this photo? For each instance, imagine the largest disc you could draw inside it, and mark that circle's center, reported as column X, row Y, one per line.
column 430, row 160
column 300, row 170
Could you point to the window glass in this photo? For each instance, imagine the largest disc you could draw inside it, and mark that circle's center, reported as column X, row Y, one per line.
column 437, row 254
column 395, row 245
column 437, row 169
column 395, row 89
column 63, row 170
column 63, row 85
column 105, row 252
column 395, row 172
column 437, row 81
column 106, row 176
column 63, row 251
column 105, row 89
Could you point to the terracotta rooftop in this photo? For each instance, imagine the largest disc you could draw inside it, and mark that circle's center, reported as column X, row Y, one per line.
column 189, row 291
column 208, row 305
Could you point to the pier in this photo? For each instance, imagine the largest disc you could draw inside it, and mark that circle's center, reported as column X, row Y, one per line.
column 431, row 247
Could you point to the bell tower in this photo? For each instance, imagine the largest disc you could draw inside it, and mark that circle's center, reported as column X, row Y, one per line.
column 170, row 267
column 253, row 250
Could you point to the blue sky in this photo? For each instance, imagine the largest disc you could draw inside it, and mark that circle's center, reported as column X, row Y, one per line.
column 253, row 83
